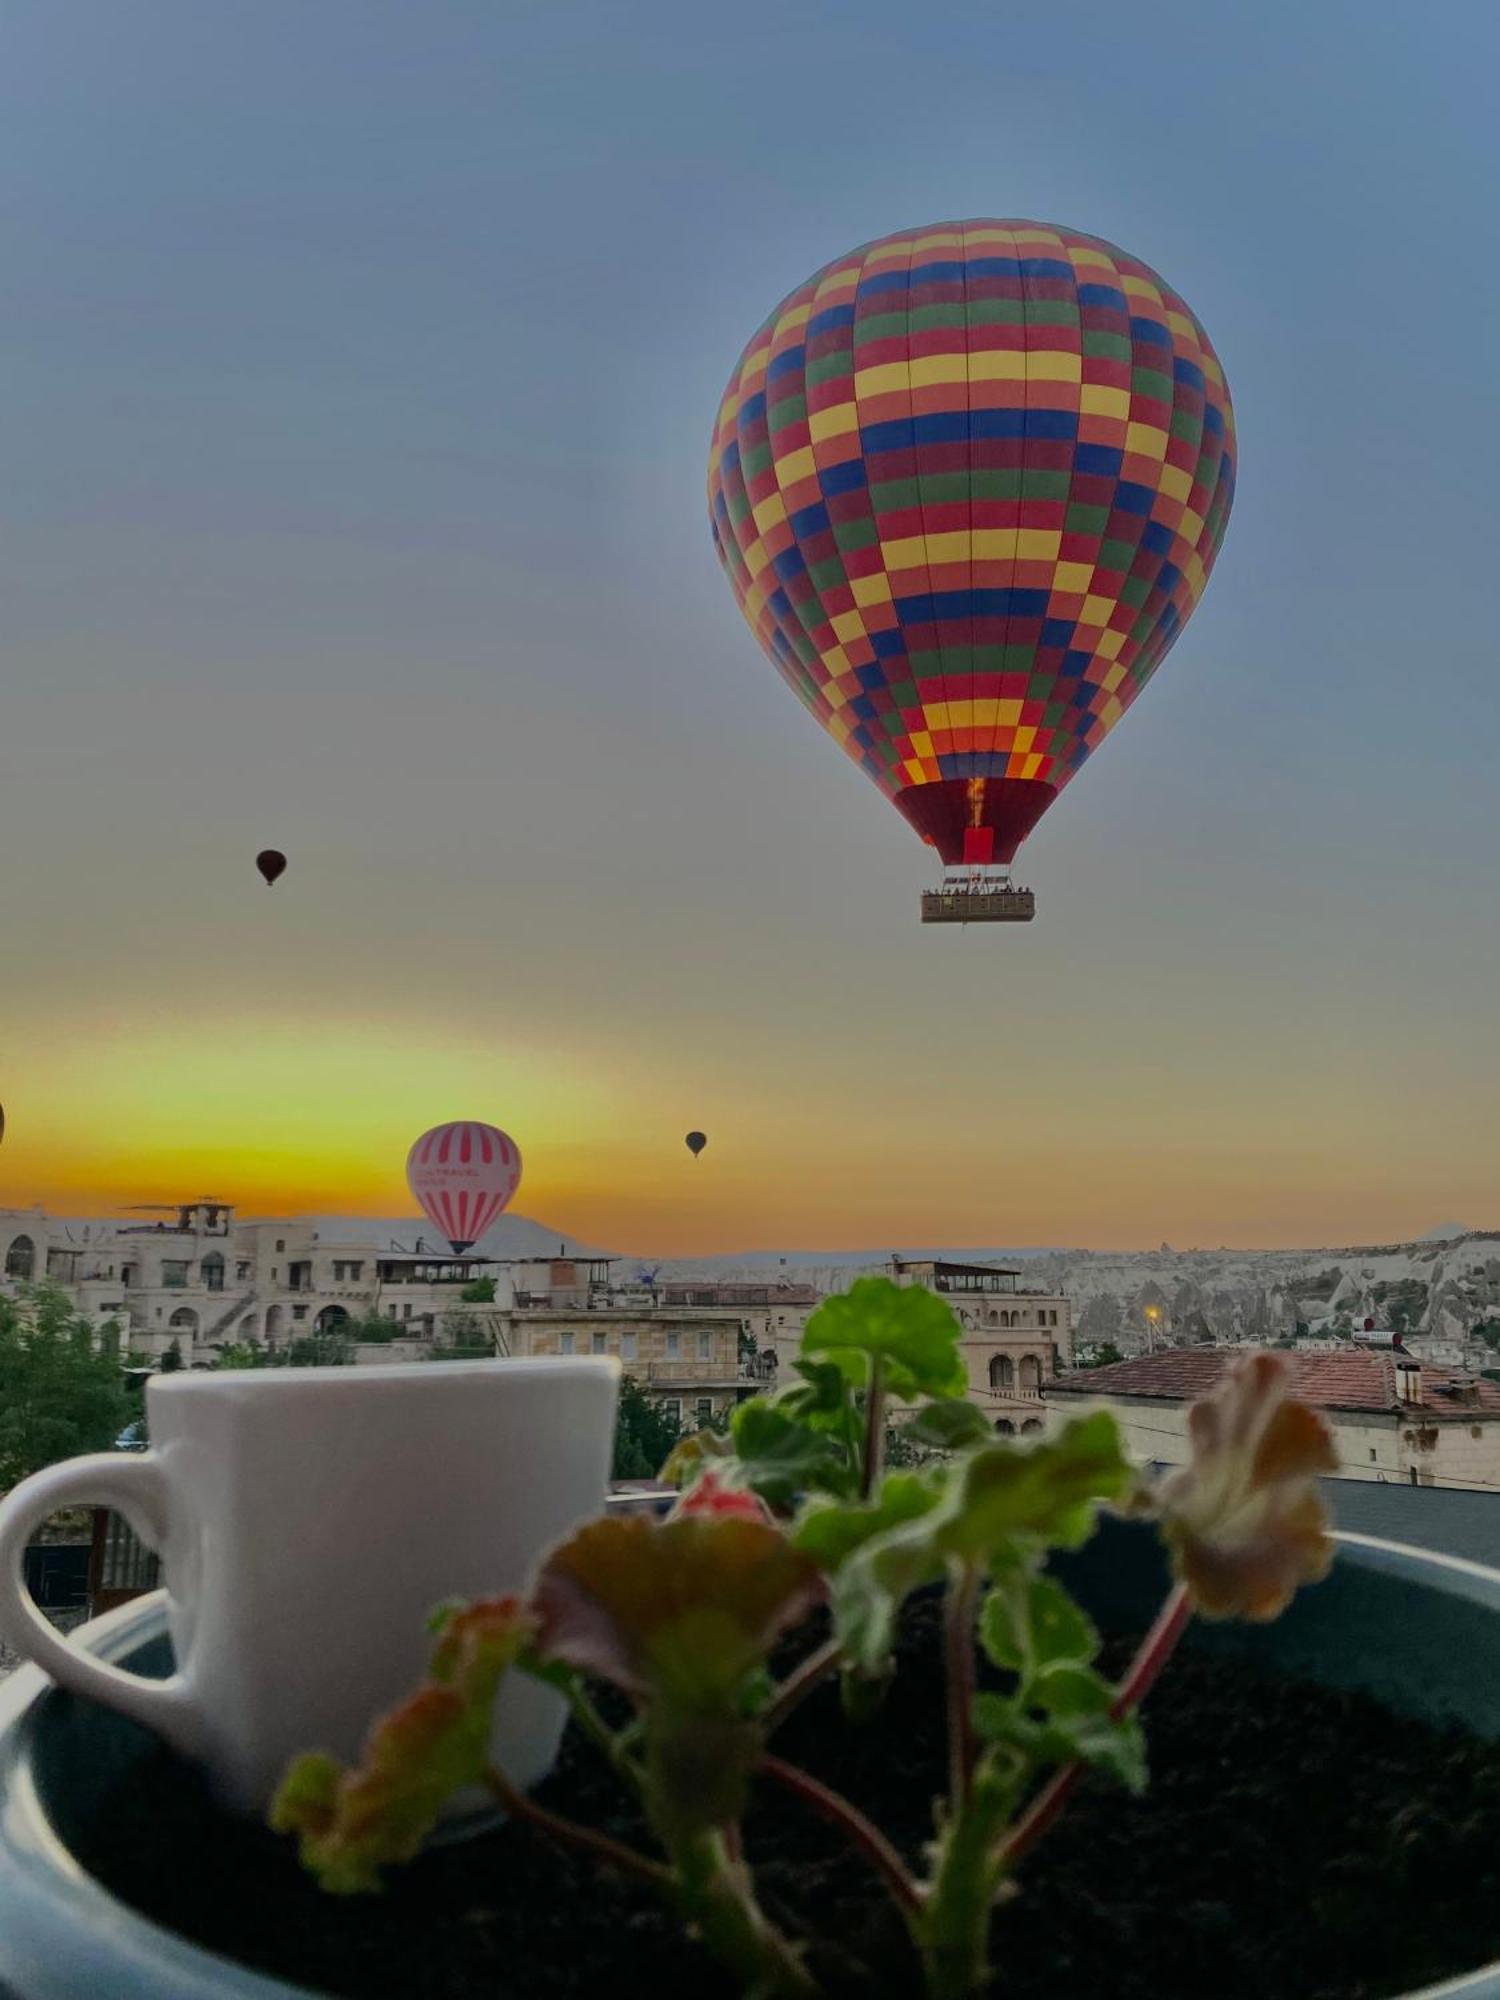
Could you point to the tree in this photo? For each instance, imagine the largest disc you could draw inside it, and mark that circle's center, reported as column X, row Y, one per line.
column 645, row 1433
column 171, row 1361
column 480, row 1293
column 1102, row 1356
column 59, row 1395
column 242, row 1354
column 375, row 1329
column 319, row 1350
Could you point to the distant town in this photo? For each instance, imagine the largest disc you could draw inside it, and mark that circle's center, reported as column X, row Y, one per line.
column 1396, row 1343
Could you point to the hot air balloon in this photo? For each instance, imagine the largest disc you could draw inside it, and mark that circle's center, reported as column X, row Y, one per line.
column 695, row 1142
column 271, row 864
column 464, row 1175
column 968, row 483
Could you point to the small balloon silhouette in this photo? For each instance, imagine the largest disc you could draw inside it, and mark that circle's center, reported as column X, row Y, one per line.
column 695, row 1142
column 271, row 864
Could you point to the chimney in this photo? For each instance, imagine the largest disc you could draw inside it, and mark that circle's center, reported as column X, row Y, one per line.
column 1408, row 1380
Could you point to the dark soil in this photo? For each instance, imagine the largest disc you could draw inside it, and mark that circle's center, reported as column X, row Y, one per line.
column 1296, row 1844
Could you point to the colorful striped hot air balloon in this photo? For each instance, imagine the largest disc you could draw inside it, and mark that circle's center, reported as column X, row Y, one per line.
column 464, row 1175
column 968, row 483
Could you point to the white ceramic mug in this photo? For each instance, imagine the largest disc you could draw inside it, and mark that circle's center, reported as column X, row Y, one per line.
column 308, row 1521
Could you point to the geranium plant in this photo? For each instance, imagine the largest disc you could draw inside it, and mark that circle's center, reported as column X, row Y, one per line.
column 792, row 1511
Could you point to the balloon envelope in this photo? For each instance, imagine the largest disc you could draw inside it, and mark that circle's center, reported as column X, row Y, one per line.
column 271, row 864
column 967, row 484
column 464, row 1175
column 696, row 1141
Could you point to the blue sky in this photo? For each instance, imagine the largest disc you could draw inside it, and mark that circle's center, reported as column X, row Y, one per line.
column 359, row 362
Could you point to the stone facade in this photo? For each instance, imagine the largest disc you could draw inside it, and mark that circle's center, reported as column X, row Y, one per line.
column 1014, row 1342
column 1430, row 1428
column 202, row 1280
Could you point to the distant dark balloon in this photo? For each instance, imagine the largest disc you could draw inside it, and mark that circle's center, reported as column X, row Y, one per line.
column 271, row 864
column 696, row 1141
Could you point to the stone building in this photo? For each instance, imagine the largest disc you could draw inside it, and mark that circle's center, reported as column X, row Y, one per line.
column 200, row 1279
column 1392, row 1417
column 1015, row 1342
column 692, row 1358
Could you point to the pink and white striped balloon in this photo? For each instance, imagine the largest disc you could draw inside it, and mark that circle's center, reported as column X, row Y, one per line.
column 464, row 1175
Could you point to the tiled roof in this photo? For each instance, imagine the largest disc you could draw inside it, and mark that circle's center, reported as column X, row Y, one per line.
column 1351, row 1381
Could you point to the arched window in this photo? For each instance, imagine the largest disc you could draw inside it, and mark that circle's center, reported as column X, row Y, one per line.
column 1031, row 1372
column 330, row 1319
column 274, row 1316
column 1005, row 1427
column 1031, row 1424
column 184, row 1320
column 213, row 1271
column 248, row 1328
column 1002, row 1372
column 20, row 1258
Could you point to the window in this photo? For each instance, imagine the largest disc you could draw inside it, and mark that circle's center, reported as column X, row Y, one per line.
column 674, row 1346
column 601, row 1343
column 242, row 1270
column 705, row 1411
column 1002, row 1372
column 20, row 1259
column 174, row 1272
column 1372, row 1452
column 356, row 1272
column 406, row 1310
column 705, row 1347
column 565, row 1343
column 627, row 1346
column 299, row 1312
column 281, row 1243
column 672, row 1407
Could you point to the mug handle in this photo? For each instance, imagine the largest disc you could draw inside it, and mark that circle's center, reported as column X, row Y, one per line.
column 136, row 1488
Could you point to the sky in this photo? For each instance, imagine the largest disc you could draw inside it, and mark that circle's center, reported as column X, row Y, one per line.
column 357, row 369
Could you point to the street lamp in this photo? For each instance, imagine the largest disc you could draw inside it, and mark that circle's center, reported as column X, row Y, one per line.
column 1153, row 1314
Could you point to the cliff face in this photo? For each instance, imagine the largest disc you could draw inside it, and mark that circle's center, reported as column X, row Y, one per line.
column 1441, row 1288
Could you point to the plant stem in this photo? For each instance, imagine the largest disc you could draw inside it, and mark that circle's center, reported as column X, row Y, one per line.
column 713, row 1893
column 599, row 1733
column 614, row 1853
column 800, row 1683
column 958, row 1649
column 874, row 1462
column 861, row 1833
column 1141, row 1676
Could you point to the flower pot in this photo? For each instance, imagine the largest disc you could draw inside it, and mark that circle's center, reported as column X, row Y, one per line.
column 1419, row 1632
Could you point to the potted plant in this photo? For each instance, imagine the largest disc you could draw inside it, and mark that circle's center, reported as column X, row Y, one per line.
column 771, row 1687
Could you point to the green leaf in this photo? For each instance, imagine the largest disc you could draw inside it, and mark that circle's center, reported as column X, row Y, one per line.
column 778, row 1457
column 1070, row 1690
column 1086, row 1734
column 830, row 1531
column 950, row 1425
column 909, row 1330
column 1118, row 1749
column 353, row 1824
column 1029, row 1622
column 689, row 1455
column 822, row 1400
column 1046, row 1493
column 994, row 1505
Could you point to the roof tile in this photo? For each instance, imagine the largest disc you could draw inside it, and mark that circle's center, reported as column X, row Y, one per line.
column 1348, row 1381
